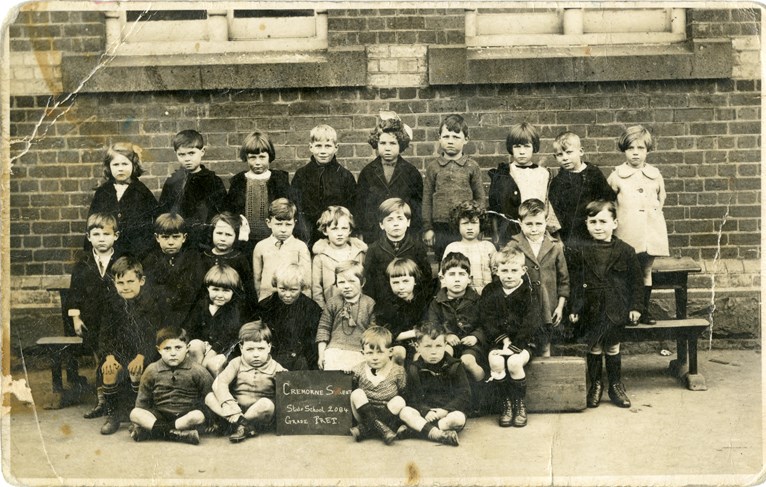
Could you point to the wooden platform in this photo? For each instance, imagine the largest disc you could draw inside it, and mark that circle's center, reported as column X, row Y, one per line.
column 556, row 384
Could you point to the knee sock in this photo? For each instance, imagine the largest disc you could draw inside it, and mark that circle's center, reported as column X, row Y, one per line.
column 367, row 415
column 594, row 367
column 614, row 368
column 518, row 388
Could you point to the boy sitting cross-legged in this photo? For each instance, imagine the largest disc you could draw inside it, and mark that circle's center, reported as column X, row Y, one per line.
column 438, row 391
column 244, row 392
column 169, row 402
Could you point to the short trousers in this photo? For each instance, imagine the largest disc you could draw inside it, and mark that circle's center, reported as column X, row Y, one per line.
column 337, row 359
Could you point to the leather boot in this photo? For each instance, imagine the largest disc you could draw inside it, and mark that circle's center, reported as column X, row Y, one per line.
column 112, row 423
column 190, row 437
column 519, row 408
column 646, row 317
column 617, row 393
column 506, row 414
column 596, row 388
column 100, row 408
column 384, row 432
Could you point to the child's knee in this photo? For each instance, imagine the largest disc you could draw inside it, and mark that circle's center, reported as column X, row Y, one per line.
column 111, row 375
column 197, row 350
column 408, row 414
column 396, row 404
column 266, row 406
column 399, row 354
column 194, row 418
column 613, row 349
column 516, row 363
column 358, row 398
column 496, row 361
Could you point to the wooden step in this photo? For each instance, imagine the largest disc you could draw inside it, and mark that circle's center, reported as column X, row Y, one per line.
column 59, row 340
column 556, row 384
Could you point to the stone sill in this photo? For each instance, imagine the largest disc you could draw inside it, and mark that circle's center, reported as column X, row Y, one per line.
column 451, row 65
column 86, row 73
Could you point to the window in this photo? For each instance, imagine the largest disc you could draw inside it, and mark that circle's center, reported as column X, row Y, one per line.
column 574, row 26
column 178, row 28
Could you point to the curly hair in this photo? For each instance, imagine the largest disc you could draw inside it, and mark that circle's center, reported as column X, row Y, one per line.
column 391, row 126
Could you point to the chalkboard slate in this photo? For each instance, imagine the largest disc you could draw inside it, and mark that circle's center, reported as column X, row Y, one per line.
column 313, row 402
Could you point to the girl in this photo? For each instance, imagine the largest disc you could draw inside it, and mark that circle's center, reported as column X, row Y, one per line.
column 225, row 231
column 640, row 196
column 214, row 322
column 466, row 217
column 606, row 284
column 344, row 319
column 127, row 198
column 251, row 192
column 337, row 224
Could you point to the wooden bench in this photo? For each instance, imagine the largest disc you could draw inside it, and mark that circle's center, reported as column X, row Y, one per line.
column 672, row 273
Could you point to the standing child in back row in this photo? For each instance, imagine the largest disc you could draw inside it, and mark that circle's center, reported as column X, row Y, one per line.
column 453, row 177
column 640, row 197
column 512, row 184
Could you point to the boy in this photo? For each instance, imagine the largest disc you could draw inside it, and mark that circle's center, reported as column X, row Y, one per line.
column 546, row 268
column 280, row 249
column 293, row 317
column 244, row 392
column 438, row 391
column 450, row 179
column 511, row 184
column 376, row 402
column 576, row 185
column 321, row 183
column 389, row 175
column 175, row 271
column 193, row 191
column 90, row 287
column 508, row 310
column 128, row 326
column 456, row 308
column 169, row 402
column 394, row 219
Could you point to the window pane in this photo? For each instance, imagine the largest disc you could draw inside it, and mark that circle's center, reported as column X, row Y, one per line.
column 249, row 14
column 625, row 20
column 159, row 15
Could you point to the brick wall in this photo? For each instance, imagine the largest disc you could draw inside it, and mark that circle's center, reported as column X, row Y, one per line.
column 708, row 133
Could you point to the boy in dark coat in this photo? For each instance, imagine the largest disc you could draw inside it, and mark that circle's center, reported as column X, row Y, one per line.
column 193, row 191
column 388, row 176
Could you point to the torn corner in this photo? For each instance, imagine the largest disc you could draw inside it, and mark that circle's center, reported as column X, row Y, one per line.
column 18, row 388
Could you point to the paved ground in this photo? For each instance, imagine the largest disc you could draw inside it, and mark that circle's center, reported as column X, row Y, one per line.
column 671, row 436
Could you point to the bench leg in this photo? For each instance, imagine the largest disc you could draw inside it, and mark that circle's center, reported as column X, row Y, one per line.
column 694, row 380
column 679, row 366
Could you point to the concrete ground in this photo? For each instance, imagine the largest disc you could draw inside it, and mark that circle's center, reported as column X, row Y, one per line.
column 670, row 436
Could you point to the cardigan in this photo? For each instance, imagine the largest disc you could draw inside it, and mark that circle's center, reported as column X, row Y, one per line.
column 372, row 189
column 345, row 333
column 277, row 186
column 324, row 264
column 135, row 213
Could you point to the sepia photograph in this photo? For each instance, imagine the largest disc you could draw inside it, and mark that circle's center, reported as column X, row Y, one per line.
column 368, row 243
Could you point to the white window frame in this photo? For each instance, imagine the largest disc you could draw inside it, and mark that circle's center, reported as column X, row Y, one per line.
column 564, row 27
column 219, row 33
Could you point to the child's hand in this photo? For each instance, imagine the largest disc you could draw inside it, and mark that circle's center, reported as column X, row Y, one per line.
column 111, row 366
column 469, row 341
column 233, row 418
column 136, row 366
column 244, row 228
column 574, row 318
column 79, row 326
column 452, row 340
column 435, row 414
column 558, row 314
column 320, row 361
column 428, row 238
column 634, row 316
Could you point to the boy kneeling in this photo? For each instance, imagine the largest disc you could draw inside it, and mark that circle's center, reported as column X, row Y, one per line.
column 251, row 378
column 169, row 403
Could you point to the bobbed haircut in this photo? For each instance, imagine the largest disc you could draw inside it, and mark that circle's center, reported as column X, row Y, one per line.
column 188, row 138
column 391, row 205
column 403, row 268
column 101, row 220
column 228, row 218
column 377, row 337
column 632, row 134
column 565, row 140
column 169, row 224
column 223, row 276
column 331, row 216
column 171, row 333
column 130, row 152
column 429, row 329
column 254, row 331
column 532, row 207
column 455, row 259
column 466, row 209
column 289, row 275
column 454, row 123
column 523, row 133
column 391, row 126
column 282, row 209
column 125, row 264
column 257, row 143
column 597, row 206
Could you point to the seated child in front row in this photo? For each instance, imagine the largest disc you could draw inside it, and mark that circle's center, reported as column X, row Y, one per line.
column 214, row 322
column 126, row 334
column 376, row 402
column 456, row 308
column 508, row 304
column 244, row 392
column 280, row 249
column 336, row 224
column 344, row 320
column 438, row 391
column 607, row 284
column 546, row 267
column 293, row 318
column 403, row 309
column 174, row 270
column 170, row 398
column 466, row 218
column 394, row 217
